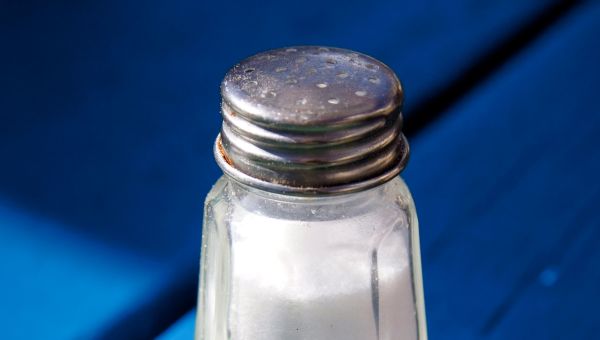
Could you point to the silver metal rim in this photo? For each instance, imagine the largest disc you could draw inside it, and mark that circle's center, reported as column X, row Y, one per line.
column 226, row 165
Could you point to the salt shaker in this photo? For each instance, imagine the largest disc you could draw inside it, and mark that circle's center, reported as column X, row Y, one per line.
column 310, row 234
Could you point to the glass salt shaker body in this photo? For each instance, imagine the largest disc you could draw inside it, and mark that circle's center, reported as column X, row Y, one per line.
column 310, row 234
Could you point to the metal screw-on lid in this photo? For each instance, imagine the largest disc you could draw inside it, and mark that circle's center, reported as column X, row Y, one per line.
column 311, row 120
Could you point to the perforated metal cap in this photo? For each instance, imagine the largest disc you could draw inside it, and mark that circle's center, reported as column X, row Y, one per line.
column 311, row 120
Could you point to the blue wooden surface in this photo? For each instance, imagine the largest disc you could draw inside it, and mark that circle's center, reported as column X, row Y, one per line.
column 109, row 111
column 504, row 184
column 182, row 329
column 57, row 284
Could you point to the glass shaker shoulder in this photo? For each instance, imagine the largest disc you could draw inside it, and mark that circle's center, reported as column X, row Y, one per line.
column 302, row 238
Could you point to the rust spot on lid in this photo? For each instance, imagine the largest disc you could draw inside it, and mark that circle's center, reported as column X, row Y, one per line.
column 223, row 153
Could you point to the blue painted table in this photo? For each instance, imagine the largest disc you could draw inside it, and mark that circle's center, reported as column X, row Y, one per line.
column 109, row 110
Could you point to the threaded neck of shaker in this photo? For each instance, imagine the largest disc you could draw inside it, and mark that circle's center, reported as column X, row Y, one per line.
column 311, row 120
